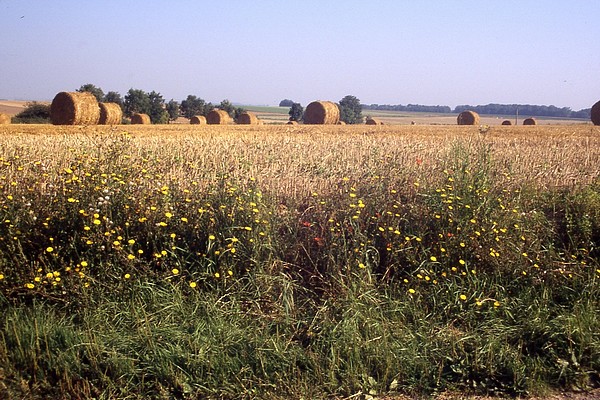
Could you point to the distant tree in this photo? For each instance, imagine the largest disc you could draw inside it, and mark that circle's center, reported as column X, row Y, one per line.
column 113, row 97
column 286, row 103
column 193, row 105
column 136, row 101
column 158, row 113
column 173, row 110
column 296, row 112
column 34, row 113
column 96, row 91
column 351, row 110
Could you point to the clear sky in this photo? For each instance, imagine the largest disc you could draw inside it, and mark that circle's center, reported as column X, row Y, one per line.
column 445, row 52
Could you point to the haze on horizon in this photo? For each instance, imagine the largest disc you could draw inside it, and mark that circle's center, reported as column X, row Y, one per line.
column 387, row 52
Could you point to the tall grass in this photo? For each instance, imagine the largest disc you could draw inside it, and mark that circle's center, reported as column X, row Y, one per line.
column 298, row 262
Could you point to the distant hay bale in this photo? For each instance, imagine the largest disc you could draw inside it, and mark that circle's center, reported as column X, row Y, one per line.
column 529, row 121
column 218, row 117
column 198, row 120
column 110, row 114
column 322, row 113
column 140, row 119
column 4, row 119
column 506, row 122
column 341, row 123
column 468, row 118
column 292, row 122
column 596, row 113
column 74, row 108
column 373, row 121
column 248, row 118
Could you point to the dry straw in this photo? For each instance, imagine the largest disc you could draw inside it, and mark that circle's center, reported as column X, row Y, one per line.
column 4, row 119
column 198, row 120
column 218, row 117
column 373, row 121
column 506, row 122
column 110, row 114
column 248, row 118
column 596, row 113
column 140, row 119
column 468, row 118
column 74, row 108
column 322, row 113
column 529, row 121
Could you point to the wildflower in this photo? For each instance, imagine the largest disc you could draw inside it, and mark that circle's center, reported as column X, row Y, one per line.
column 433, row 258
column 411, row 291
column 211, row 237
column 496, row 303
column 127, row 276
column 184, row 219
column 29, row 285
column 96, row 222
column 175, row 271
column 361, row 265
column 217, row 275
column 1, row 277
column 192, row 284
column 49, row 249
column 168, row 215
column 463, row 297
column 461, row 262
column 130, row 257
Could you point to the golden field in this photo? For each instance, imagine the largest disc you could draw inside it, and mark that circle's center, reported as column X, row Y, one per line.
column 297, row 160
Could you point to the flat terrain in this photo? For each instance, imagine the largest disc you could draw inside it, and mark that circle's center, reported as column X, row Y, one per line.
column 279, row 115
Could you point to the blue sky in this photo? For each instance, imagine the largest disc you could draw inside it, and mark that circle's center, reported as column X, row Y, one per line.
column 446, row 52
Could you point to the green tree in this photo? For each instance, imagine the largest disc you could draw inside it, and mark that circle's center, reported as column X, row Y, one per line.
column 286, row 103
column 158, row 113
column 351, row 110
column 113, row 97
column 193, row 105
column 34, row 113
column 173, row 110
column 296, row 112
column 136, row 101
column 96, row 91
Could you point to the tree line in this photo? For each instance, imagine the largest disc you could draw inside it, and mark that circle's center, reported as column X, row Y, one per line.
column 136, row 101
column 491, row 109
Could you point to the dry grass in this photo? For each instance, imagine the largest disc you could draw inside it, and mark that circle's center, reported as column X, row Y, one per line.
column 322, row 113
column 110, row 114
column 294, row 160
column 140, row 119
column 74, row 108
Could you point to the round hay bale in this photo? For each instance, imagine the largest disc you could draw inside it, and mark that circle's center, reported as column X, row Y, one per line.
column 373, row 121
column 140, row 119
column 218, row 117
column 596, row 113
column 506, row 122
column 247, row 118
column 468, row 118
column 322, row 113
column 529, row 121
column 341, row 123
column 4, row 119
column 198, row 120
column 292, row 122
column 110, row 114
column 74, row 108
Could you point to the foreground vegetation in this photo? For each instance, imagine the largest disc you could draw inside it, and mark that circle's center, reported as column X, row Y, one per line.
column 298, row 262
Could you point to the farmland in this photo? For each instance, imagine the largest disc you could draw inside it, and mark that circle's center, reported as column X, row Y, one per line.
column 300, row 261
